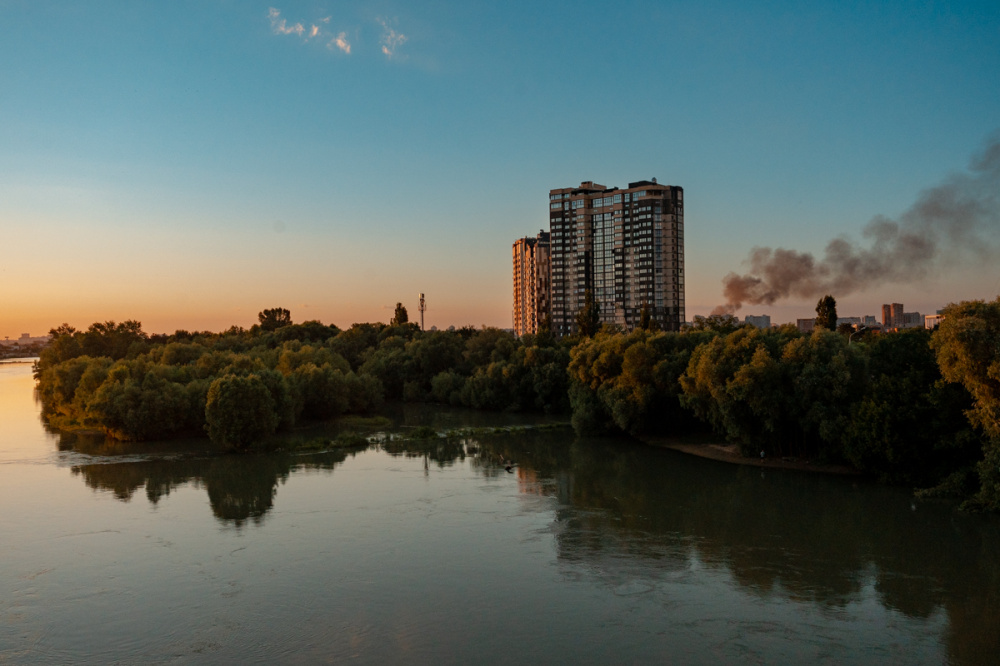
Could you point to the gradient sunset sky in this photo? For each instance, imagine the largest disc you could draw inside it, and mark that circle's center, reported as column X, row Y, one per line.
column 188, row 164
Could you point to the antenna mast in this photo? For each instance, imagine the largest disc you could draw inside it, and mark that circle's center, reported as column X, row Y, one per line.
column 423, row 307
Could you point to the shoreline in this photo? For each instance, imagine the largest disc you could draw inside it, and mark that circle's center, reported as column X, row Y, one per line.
column 730, row 453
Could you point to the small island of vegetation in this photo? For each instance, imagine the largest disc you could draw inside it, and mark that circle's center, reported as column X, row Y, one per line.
column 913, row 407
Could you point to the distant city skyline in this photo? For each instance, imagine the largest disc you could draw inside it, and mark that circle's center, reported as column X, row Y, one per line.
column 189, row 164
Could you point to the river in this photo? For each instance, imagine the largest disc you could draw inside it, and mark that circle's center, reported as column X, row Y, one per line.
column 594, row 551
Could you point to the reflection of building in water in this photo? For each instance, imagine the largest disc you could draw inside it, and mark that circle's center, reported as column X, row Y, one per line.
column 530, row 482
column 527, row 482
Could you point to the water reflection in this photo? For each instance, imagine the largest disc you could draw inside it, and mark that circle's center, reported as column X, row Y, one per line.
column 239, row 487
column 812, row 539
column 817, row 540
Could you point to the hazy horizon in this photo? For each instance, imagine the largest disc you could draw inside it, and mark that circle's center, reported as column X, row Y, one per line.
column 189, row 164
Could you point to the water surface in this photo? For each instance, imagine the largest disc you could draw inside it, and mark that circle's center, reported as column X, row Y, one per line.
column 589, row 551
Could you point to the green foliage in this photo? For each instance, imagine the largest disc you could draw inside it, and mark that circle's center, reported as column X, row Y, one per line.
column 826, row 313
column 399, row 316
column 588, row 319
column 160, row 387
column 718, row 323
column 630, row 382
column 646, row 321
column 135, row 403
column 391, row 366
column 446, row 387
column 356, row 342
column 719, row 383
column 239, row 411
column 274, row 318
column 881, row 403
column 350, row 440
column 424, row 432
column 967, row 343
column 909, row 426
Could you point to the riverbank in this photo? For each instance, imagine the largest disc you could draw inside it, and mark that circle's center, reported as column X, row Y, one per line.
column 730, row 453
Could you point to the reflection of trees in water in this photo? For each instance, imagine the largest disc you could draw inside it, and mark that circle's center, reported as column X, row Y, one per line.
column 814, row 538
column 442, row 452
column 810, row 538
column 239, row 487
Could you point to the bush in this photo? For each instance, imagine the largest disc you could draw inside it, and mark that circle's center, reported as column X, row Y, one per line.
column 239, row 411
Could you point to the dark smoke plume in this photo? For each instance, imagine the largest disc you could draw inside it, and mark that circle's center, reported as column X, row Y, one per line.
column 957, row 221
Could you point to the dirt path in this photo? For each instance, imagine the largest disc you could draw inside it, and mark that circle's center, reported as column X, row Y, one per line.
column 730, row 453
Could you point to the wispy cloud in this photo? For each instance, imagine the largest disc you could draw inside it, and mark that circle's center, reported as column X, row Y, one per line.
column 340, row 42
column 391, row 40
column 280, row 26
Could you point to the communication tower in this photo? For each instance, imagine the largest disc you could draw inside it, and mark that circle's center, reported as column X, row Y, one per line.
column 423, row 306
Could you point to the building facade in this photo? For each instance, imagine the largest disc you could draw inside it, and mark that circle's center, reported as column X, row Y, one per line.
column 625, row 246
column 892, row 316
column 758, row 321
column 894, row 319
column 531, row 283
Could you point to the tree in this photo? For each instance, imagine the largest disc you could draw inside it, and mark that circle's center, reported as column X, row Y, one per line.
column 846, row 329
column 239, row 411
column 588, row 319
column 113, row 340
column 720, row 323
column 274, row 318
column 826, row 313
column 645, row 317
column 400, row 316
column 968, row 352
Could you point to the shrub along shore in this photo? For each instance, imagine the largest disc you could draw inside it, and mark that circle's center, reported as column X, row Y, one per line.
column 914, row 407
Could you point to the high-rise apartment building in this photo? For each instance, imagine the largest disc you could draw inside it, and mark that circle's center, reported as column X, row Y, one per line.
column 624, row 245
column 892, row 316
column 894, row 319
column 531, row 283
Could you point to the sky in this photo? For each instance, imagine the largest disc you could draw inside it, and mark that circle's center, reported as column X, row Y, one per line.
column 190, row 163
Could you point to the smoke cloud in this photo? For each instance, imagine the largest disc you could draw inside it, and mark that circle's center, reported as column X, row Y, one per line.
column 954, row 222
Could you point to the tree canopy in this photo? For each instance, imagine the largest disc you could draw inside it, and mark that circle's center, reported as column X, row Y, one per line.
column 909, row 407
column 588, row 319
column 826, row 313
column 400, row 316
column 967, row 343
column 274, row 318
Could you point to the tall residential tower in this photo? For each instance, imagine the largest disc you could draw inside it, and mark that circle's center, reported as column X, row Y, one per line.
column 531, row 283
column 625, row 246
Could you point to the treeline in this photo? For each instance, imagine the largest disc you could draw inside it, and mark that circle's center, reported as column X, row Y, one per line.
column 17, row 350
column 912, row 407
column 241, row 385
